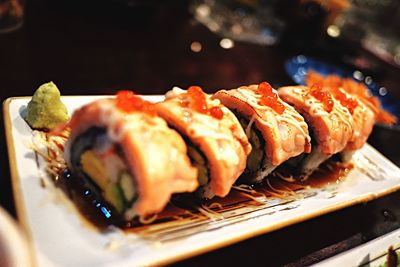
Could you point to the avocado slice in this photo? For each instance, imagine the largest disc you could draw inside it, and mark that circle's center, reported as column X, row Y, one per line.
column 94, row 168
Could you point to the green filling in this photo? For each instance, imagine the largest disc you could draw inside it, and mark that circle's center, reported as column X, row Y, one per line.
column 256, row 157
column 114, row 195
column 199, row 161
column 120, row 194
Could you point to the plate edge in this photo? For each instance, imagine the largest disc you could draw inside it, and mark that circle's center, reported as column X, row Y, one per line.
column 270, row 229
column 15, row 180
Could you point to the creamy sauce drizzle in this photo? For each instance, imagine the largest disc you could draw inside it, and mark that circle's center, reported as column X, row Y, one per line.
column 316, row 109
column 205, row 126
column 289, row 116
column 116, row 130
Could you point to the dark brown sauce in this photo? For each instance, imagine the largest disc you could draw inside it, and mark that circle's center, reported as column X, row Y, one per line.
column 91, row 206
column 96, row 210
column 329, row 173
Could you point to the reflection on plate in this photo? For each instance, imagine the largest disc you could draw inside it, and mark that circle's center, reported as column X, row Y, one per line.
column 49, row 216
column 298, row 67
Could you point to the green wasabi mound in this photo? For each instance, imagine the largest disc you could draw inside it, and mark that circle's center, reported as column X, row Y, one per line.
column 45, row 111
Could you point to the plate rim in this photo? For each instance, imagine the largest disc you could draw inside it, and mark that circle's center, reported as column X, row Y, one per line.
column 15, row 179
column 22, row 215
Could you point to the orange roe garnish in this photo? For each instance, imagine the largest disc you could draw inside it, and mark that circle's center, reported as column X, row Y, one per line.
column 128, row 102
column 198, row 102
column 323, row 96
column 357, row 90
column 269, row 98
column 265, row 89
column 216, row 112
column 348, row 102
column 351, row 104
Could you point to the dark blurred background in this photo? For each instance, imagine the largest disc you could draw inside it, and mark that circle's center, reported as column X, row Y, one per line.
column 100, row 46
column 97, row 47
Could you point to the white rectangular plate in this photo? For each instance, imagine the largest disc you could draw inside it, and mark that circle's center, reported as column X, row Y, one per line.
column 60, row 237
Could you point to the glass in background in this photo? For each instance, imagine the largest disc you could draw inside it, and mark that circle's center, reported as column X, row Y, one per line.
column 374, row 24
column 11, row 15
column 295, row 23
column 255, row 21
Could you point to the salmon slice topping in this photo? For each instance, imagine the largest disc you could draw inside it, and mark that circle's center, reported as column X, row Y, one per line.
column 354, row 88
column 285, row 134
column 332, row 129
column 211, row 128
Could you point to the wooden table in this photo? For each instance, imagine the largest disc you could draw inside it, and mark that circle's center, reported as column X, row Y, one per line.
column 99, row 47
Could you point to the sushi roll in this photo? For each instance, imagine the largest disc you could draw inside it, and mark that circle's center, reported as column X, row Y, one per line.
column 330, row 124
column 357, row 90
column 217, row 144
column 357, row 100
column 129, row 155
column 277, row 132
column 364, row 119
column 363, row 116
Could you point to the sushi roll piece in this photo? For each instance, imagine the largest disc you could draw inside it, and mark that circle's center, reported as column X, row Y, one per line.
column 277, row 132
column 330, row 124
column 357, row 90
column 363, row 123
column 363, row 116
column 129, row 155
column 217, row 144
column 357, row 100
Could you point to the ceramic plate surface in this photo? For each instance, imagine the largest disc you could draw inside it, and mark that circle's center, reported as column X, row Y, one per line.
column 60, row 237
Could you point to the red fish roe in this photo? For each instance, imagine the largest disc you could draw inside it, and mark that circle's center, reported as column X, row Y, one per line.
column 348, row 102
column 216, row 112
column 198, row 102
column 128, row 102
column 269, row 98
column 265, row 89
column 351, row 104
column 324, row 96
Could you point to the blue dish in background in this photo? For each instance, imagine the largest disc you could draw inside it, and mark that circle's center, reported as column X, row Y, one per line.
column 298, row 67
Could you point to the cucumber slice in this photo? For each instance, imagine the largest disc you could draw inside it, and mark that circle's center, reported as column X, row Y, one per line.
column 255, row 159
column 199, row 162
column 114, row 195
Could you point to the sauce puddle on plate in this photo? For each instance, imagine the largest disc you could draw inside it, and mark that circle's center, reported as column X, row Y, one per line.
column 185, row 211
column 185, row 214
